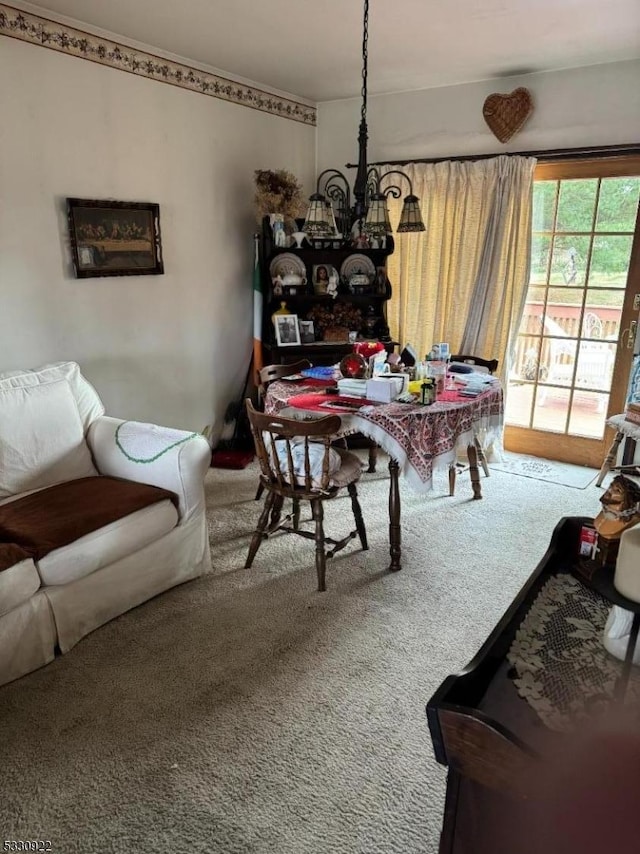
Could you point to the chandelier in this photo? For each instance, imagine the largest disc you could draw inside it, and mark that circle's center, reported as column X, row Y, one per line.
column 330, row 210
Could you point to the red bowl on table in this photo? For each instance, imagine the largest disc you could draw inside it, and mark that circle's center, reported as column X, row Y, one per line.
column 354, row 366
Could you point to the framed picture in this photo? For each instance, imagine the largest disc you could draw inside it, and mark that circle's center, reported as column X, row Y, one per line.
column 114, row 238
column 325, row 279
column 287, row 331
column 307, row 333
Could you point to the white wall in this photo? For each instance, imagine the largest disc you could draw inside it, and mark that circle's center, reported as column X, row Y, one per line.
column 598, row 105
column 173, row 348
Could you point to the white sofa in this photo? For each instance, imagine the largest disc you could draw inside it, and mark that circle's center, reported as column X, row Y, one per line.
column 53, row 431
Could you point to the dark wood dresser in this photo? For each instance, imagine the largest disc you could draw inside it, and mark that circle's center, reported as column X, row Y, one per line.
column 489, row 737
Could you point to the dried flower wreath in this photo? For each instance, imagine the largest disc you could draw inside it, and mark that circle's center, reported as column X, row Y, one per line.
column 278, row 192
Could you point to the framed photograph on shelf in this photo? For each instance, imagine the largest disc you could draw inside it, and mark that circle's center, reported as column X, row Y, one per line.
column 114, row 238
column 287, row 330
column 325, row 280
column 307, row 332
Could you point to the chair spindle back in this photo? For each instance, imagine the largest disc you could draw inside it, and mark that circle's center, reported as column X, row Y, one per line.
column 291, row 434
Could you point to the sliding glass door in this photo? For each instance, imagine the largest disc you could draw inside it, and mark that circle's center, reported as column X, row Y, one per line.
column 574, row 346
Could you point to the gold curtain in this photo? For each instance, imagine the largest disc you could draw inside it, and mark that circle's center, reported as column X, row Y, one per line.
column 464, row 279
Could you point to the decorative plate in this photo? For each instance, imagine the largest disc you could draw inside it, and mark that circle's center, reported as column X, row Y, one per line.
column 356, row 265
column 285, row 263
column 327, row 372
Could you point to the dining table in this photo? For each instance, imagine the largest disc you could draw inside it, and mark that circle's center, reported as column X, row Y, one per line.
column 418, row 439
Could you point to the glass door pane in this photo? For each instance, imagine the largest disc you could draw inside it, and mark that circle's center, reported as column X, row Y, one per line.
column 566, row 348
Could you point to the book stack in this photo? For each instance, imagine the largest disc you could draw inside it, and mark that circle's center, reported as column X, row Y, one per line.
column 632, row 413
column 352, row 387
column 475, row 382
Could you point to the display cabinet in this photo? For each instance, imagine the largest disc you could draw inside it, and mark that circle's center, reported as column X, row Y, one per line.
column 338, row 287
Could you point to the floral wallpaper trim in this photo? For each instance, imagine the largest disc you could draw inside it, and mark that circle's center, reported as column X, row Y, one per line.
column 41, row 31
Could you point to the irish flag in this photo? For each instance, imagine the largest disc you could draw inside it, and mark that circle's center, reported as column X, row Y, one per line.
column 257, row 313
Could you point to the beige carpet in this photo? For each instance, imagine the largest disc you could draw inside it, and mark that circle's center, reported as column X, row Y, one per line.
column 244, row 713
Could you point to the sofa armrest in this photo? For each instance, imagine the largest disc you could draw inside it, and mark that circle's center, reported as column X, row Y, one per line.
column 161, row 456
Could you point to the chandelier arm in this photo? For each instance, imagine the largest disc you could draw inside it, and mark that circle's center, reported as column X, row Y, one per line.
column 331, row 173
column 392, row 190
column 333, row 184
column 373, row 184
column 337, row 193
column 396, row 194
column 340, row 196
column 373, row 179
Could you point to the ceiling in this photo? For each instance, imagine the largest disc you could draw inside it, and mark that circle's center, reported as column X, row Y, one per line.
column 314, row 49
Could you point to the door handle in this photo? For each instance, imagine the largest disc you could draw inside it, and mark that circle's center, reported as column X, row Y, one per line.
column 629, row 334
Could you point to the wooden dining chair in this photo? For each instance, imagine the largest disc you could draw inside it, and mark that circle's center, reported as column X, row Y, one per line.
column 476, row 361
column 298, row 461
column 269, row 374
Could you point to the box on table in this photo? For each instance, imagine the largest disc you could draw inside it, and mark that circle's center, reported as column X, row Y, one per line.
column 385, row 388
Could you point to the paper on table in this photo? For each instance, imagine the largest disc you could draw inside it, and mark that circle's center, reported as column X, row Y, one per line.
column 336, row 404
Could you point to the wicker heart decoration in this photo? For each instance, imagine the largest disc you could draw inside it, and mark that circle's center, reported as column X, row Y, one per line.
column 505, row 114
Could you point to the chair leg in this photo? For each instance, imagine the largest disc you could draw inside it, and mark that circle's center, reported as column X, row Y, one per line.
column 357, row 515
column 276, row 510
column 481, row 455
column 473, row 471
column 373, row 457
column 296, row 513
column 258, row 534
column 317, row 512
column 452, row 479
column 259, row 491
column 610, row 459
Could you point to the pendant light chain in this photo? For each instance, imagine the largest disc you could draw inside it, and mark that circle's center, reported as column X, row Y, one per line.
column 365, row 56
column 369, row 211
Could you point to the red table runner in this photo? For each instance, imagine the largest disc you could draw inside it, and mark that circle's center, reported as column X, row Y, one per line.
column 326, row 403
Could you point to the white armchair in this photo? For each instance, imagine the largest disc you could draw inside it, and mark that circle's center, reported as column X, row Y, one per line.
column 53, row 432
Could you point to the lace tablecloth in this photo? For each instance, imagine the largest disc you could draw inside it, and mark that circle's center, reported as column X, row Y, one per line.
column 419, row 438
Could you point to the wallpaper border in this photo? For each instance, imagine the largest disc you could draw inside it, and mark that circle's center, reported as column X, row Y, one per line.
column 43, row 32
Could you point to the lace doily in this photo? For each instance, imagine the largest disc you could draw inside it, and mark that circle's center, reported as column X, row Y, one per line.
column 562, row 668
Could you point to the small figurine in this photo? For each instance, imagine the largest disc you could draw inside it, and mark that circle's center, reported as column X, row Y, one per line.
column 277, row 286
column 359, row 239
column 332, row 287
column 279, row 234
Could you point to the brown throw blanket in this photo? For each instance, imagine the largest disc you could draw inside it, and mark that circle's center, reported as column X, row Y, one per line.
column 11, row 554
column 60, row 514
